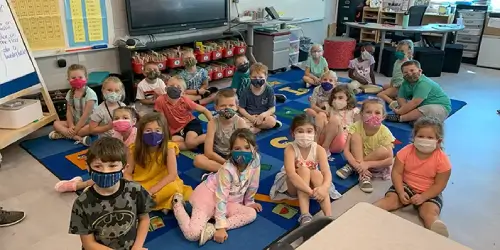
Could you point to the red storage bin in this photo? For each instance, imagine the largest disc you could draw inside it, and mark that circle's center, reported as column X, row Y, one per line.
column 210, row 74
column 338, row 51
column 218, row 72
column 203, row 57
column 162, row 65
column 228, row 52
column 229, row 71
column 217, row 54
column 240, row 50
column 137, row 67
column 174, row 62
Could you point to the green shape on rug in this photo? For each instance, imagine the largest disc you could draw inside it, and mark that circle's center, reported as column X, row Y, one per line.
column 202, row 117
column 285, row 211
column 288, row 112
column 189, row 154
column 265, row 167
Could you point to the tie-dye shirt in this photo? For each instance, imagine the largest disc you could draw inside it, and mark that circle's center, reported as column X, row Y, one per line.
column 229, row 187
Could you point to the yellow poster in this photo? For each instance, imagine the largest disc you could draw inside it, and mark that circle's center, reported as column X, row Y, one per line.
column 41, row 23
column 94, row 20
column 77, row 21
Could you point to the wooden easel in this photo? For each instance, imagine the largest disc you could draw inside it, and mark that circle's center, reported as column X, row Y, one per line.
column 9, row 136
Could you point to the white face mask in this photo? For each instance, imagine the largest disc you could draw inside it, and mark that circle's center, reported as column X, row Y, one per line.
column 339, row 104
column 425, row 145
column 365, row 55
column 316, row 54
column 304, row 140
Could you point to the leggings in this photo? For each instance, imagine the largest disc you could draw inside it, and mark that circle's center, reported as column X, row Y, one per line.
column 203, row 202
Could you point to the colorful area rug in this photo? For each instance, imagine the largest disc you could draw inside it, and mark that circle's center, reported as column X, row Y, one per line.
column 64, row 160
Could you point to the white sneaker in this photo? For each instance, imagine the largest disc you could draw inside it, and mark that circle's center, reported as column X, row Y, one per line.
column 207, row 234
column 345, row 171
column 366, row 186
column 440, row 228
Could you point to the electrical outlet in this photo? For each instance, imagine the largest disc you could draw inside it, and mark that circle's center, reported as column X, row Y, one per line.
column 236, row 1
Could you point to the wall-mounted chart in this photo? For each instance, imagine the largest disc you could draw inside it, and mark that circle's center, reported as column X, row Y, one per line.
column 86, row 22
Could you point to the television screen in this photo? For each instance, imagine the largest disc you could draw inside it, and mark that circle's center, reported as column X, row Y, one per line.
column 158, row 16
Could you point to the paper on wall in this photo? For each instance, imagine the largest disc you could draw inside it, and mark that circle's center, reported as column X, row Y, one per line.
column 494, row 22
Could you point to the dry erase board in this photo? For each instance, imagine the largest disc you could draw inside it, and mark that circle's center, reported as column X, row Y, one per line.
column 17, row 71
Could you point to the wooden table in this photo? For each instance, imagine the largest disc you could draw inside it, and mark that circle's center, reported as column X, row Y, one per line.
column 365, row 226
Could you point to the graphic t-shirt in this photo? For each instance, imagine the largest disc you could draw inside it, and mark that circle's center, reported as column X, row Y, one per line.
column 113, row 219
column 362, row 68
column 257, row 104
column 146, row 91
column 194, row 80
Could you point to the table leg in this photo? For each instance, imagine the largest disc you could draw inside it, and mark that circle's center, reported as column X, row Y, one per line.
column 347, row 31
column 250, row 39
column 382, row 45
column 443, row 41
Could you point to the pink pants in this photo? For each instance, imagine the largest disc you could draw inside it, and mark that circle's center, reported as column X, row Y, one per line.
column 203, row 202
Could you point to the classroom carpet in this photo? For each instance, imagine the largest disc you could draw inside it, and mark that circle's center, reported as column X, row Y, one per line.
column 65, row 160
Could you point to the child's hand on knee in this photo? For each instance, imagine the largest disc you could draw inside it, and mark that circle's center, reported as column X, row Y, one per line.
column 404, row 198
column 256, row 206
column 320, row 193
column 417, row 199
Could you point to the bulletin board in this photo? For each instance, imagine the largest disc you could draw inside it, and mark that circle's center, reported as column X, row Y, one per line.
column 62, row 24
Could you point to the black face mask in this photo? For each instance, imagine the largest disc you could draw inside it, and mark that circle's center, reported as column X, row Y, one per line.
column 174, row 92
column 243, row 68
column 257, row 82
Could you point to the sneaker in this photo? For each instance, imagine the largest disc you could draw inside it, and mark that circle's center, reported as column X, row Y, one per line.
column 178, row 198
column 305, row 218
column 54, row 135
column 394, row 105
column 440, row 228
column 86, row 140
column 207, row 234
column 345, row 171
column 280, row 98
column 278, row 124
column 392, row 118
column 365, row 185
column 67, row 186
column 9, row 218
column 204, row 177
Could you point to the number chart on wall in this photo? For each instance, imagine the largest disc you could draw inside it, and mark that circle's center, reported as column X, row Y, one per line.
column 17, row 71
column 86, row 22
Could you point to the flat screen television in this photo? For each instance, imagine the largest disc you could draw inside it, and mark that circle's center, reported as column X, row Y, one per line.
column 159, row 16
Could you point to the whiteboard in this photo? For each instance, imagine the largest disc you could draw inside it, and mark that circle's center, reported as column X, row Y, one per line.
column 17, row 71
column 298, row 9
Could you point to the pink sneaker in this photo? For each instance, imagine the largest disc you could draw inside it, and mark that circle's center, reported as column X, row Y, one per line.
column 67, row 186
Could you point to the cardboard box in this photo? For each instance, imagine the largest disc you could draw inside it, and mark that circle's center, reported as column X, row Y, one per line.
column 492, row 27
column 332, row 30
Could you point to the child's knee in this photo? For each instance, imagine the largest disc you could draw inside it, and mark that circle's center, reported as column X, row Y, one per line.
column 252, row 214
column 199, row 160
column 191, row 143
column 269, row 122
column 304, row 172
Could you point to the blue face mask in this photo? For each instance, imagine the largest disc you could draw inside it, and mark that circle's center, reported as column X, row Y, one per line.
column 242, row 157
column 326, row 86
column 152, row 139
column 105, row 180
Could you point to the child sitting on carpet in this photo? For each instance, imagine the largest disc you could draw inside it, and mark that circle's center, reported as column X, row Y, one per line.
column 342, row 112
column 113, row 213
column 420, row 174
column 219, row 131
column 124, row 119
column 228, row 195
column 185, row 129
column 404, row 52
column 152, row 162
column 257, row 102
column 361, row 69
column 321, row 94
column 149, row 89
column 81, row 102
column 196, row 79
column 316, row 66
column 306, row 172
column 368, row 149
column 114, row 94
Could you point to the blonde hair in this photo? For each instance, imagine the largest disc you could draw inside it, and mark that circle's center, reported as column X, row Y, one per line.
column 316, row 45
column 408, row 43
column 427, row 121
column 181, row 80
column 224, row 93
column 258, row 68
column 374, row 100
column 114, row 79
column 75, row 67
column 331, row 74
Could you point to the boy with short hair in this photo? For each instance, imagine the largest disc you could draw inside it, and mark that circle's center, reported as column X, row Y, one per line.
column 196, row 79
column 257, row 103
column 150, row 88
column 184, row 128
column 113, row 213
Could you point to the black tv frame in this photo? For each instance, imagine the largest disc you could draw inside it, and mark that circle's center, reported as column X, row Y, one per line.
column 175, row 27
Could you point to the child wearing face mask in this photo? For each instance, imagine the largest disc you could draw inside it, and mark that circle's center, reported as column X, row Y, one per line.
column 361, row 69
column 257, row 103
column 111, row 202
column 316, row 66
column 368, row 149
column 404, row 52
column 196, row 79
column 342, row 113
column 420, row 174
column 321, row 94
column 101, row 120
column 228, row 195
column 185, row 129
column 152, row 162
column 81, row 103
column 149, row 89
column 306, row 172
column 219, row 130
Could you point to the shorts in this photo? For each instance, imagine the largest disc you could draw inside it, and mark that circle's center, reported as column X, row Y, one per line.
column 434, row 110
column 250, row 124
column 194, row 126
column 438, row 200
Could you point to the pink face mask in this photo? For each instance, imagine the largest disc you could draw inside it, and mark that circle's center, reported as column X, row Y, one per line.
column 77, row 83
column 122, row 125
column 372, row 120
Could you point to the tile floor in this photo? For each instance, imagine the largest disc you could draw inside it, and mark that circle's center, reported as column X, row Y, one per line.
column 471, row 198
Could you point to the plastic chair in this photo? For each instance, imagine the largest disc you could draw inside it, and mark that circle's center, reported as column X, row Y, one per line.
column 306, row 231
column 416, row 13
